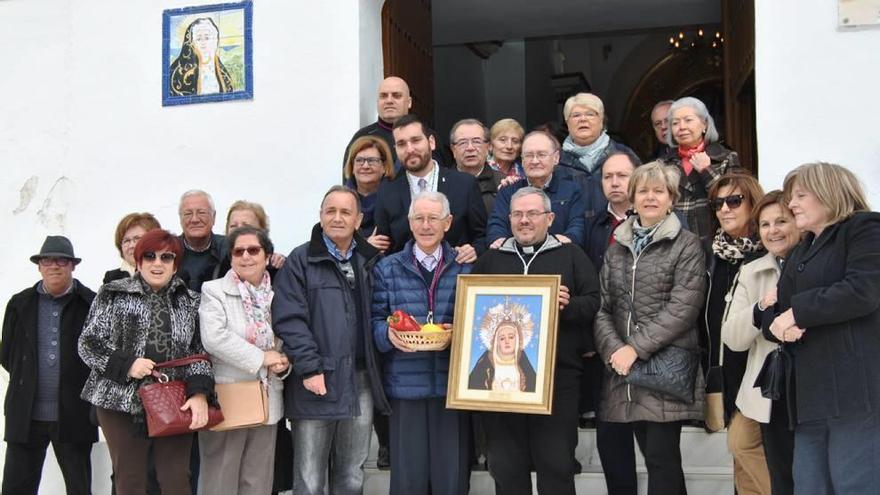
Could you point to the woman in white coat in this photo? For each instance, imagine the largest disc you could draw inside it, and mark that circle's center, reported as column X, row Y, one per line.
column 755, row 291
column 236, row 330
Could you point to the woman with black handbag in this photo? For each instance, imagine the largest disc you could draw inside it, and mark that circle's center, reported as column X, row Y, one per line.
column 741, row 332
column 135, row 324
column 734, row 244
column 829, row 314
column 650, row 278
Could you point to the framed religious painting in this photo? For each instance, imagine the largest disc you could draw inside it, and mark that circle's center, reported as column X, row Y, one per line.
column 207, row 53
column 504, row 343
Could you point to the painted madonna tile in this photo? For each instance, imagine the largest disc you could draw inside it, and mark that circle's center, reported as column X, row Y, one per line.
column 207, row 53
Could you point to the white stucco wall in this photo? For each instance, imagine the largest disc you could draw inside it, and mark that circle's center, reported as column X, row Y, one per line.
column 84, row 138
column 817, row 92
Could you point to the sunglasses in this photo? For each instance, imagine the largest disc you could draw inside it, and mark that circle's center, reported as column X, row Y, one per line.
column 733, row 202
column 164, row 257
column 251, row 250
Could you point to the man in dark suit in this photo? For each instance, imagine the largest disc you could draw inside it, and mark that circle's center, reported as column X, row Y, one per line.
column 414, row 146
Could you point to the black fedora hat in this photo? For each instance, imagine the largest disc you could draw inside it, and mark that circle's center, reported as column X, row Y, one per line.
column 56, row 246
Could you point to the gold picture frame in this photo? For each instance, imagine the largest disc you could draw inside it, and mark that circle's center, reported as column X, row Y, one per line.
column 504, row 343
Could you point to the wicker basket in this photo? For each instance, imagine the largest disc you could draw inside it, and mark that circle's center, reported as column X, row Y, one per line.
column 425, row 341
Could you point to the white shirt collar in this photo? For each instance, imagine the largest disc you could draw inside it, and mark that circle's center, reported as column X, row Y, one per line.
column 421, row 255
column 431, row 179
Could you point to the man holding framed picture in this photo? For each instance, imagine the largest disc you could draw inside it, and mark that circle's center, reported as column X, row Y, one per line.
column 547, row 442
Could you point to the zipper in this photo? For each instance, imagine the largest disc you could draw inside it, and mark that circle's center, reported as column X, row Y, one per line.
column 632, row 305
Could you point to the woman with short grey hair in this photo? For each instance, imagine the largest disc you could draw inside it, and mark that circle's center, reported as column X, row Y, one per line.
column 700, row 159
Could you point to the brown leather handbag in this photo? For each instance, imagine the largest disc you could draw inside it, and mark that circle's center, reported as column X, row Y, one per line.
column 244, row 404
column 162, row 402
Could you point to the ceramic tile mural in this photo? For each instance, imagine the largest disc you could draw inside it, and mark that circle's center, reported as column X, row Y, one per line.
column 207, row 53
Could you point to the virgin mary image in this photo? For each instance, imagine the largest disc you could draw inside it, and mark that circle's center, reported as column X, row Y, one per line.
column 198, row 69
column 505, row 332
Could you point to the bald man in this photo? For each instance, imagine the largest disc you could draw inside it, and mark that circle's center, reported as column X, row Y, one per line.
column 393, row 102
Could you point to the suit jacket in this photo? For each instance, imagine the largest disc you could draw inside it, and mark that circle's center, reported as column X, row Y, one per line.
column 465, row 203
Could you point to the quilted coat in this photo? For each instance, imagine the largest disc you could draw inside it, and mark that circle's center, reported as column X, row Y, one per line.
column 649, row 302
column 398, row 284
column 115, row 334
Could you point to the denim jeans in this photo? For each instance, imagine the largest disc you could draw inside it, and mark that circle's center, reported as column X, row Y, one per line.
column 347, row 441
column 838, row 455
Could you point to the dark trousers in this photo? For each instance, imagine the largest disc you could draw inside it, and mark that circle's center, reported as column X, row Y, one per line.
column 618, row 455
column 778, row 443
column 380, row 424
column 429, row 448
column 838, row 455
column 660, row 444
column 518, row 441
column 129, row 452
column 23, row 467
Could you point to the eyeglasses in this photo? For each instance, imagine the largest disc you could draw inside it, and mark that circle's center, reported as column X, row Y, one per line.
column 130, row 240
column 540, row 156
column 475, row 142
column 62, row 262
column 371, row 161
column 531, row 214
column 251, row 250
column 733, row 202
column 580, row 115
column 187, row 214
column 166, row 257
column 431, row 219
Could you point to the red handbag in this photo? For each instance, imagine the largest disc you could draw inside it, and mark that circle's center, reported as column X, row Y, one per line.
column 162, row 402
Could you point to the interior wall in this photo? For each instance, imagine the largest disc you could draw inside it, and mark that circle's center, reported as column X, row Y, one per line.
column 505, row 83
column 816, row 92
column 459, row 87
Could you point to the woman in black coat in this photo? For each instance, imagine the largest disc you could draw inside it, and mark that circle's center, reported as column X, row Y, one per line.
column 829, row 316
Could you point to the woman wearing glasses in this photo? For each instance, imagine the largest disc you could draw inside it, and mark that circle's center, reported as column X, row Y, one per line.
column 133, row 324
column 586, row 148
column 368, row 164
column 735, row 243
column 243, row 213
column 236, row 329
column 128, row 232
column 700, row 159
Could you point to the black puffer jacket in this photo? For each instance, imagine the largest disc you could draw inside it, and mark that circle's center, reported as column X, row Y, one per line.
column 650, row 302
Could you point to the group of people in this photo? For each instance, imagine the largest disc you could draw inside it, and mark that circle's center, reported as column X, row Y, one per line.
column 682, row 260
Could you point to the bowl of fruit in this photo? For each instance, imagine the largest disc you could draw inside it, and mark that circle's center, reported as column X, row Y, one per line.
column 427, row 337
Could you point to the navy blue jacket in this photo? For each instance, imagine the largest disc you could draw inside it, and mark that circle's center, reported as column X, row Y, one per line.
column 566, row 202
column 315, row 315
column 399, row 284
column 596, row 237
column 465, row 203
column 591, row 183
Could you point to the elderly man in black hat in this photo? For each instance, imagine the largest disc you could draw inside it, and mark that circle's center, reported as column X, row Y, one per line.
column 41, row 328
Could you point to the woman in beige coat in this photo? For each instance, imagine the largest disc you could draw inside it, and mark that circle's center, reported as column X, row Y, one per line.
column 741, row 331
column 236, row 330
column 649, row 281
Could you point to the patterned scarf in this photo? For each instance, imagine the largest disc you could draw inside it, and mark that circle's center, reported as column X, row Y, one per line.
column 733, row 250
column 642, row 236
column 257, row 303
column 588, row 155
column 687, row 153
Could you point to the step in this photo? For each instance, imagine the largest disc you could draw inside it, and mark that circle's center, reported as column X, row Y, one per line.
column 699, row 482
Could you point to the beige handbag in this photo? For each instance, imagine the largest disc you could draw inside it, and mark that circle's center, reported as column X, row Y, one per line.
column 244, row 404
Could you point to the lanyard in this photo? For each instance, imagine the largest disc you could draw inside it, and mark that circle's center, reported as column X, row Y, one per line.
column 433, row 288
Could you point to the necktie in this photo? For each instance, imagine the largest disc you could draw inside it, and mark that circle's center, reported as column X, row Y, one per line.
column 423, row 185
